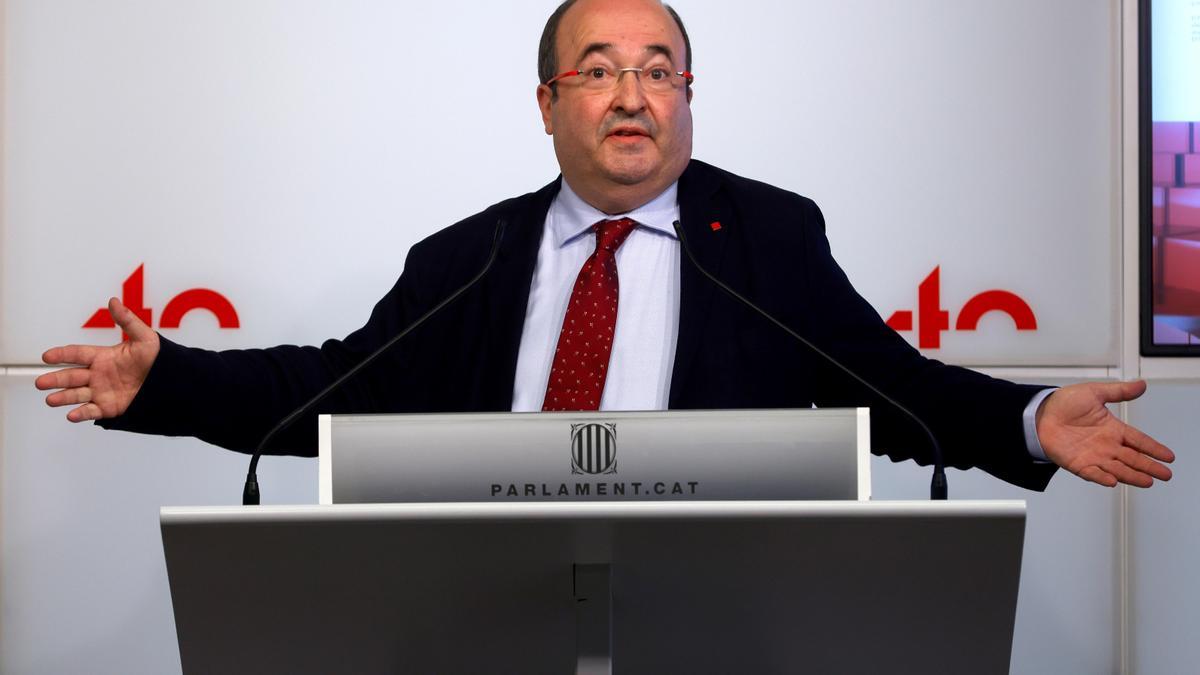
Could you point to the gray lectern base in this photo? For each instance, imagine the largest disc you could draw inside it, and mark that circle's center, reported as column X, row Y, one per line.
column 701, row 587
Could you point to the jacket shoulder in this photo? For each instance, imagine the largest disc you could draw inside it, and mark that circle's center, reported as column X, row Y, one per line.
column 757, row 201
column 482, row 226
column 742, row 186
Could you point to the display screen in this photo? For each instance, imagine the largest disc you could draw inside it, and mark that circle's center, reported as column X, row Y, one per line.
column 1170, row 180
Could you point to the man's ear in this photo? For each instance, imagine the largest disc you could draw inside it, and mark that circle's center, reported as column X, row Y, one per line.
column 545, row 99
column 690, row 91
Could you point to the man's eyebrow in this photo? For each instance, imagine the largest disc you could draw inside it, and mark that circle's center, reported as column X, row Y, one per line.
column 594, row 48
column 661, row 49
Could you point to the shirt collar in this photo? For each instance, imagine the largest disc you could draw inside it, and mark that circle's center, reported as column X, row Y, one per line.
column 571, row 217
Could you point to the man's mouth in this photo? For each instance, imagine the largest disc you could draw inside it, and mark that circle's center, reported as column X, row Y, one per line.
column 627, row 132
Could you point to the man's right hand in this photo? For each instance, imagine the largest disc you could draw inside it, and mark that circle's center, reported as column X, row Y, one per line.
column 101, row 381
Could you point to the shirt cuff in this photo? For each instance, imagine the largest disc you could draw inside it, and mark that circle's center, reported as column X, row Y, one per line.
column 1032, row 443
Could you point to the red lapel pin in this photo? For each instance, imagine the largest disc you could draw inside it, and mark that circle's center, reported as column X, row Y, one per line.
column 715, row 225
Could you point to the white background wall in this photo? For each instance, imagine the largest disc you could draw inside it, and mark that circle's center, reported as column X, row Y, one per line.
column 286, row 154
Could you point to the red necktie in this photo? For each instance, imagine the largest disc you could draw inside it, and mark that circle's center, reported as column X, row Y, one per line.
column 585, row 343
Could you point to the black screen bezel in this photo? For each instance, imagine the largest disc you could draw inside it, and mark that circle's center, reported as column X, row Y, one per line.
column 1146, row 197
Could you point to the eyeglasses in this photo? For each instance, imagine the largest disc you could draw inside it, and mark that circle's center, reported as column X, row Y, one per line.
column 603, row 78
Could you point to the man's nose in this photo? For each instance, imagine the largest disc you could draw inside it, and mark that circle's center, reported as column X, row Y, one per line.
column 629, row 97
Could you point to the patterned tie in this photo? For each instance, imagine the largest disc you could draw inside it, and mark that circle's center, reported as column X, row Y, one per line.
column 585, row 343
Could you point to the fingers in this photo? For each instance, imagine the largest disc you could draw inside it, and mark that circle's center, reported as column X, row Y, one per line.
column 1098, row 475
column 1127, row 475
column 1114, row 472
column 1129, row 467
column 69, row 397
column 63, row 379
column 129, row 322
column 1141, row 463
column 1117, row 392
column 85, row 412
column 1144, row 443
column 88, row 411
column 82, row 355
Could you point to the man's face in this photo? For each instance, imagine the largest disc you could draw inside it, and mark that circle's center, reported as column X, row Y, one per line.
column 619, row 148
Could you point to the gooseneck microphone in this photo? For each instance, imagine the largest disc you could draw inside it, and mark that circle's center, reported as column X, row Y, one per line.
column 250, row 494
column 938, row 489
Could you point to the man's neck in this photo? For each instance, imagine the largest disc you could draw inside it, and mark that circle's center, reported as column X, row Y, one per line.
column 621, row 198
column 570, row 215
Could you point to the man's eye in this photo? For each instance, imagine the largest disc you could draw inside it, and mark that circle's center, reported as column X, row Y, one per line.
column 597, row 73
column 659, row 73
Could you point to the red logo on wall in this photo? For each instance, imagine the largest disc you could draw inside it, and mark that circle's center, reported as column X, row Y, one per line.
column 933, row 319
column 132, row 293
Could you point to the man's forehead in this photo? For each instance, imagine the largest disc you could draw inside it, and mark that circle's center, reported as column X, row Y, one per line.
column 612, row 26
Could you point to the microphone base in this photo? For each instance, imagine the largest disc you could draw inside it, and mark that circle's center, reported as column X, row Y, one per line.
column 938, row 489
column 250, row 493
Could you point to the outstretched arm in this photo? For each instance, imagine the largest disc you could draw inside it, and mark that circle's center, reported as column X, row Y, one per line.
column 1079, row 434
column 101, row 381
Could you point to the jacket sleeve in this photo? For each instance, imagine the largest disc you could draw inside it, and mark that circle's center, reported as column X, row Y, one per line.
column 232, row 398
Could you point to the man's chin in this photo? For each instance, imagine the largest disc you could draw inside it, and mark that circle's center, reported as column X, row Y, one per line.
column 630, row 174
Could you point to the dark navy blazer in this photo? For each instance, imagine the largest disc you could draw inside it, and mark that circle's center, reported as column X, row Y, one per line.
column 770, row 246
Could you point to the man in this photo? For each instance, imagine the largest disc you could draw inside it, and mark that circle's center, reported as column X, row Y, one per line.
column 590, row 305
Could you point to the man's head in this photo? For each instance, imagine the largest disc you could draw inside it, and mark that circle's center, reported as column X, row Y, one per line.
column 618, row 147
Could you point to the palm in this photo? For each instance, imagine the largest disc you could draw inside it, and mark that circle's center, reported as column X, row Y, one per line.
column 102, row 381
column 1079, row 434
column 117, row 374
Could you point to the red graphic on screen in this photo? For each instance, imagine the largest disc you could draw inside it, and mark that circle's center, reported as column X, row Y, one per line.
column 932, row 320
column 1175, row 224
column 133, row 296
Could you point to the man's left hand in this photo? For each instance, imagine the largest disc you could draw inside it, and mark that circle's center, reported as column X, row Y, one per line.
column 1079, row 434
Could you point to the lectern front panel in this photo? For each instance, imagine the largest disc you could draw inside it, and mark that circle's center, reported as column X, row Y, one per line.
column 717, row 587
column 611, row 457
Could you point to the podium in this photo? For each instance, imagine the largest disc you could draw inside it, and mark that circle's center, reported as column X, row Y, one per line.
column 616, row 586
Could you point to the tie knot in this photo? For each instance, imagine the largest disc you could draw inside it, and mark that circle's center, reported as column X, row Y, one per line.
column 610, row 234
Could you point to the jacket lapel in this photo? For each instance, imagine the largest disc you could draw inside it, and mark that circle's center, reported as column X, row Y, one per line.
column 699, row 209
column 507, row 291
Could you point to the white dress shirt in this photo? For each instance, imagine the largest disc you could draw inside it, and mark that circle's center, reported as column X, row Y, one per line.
column 643, row 351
